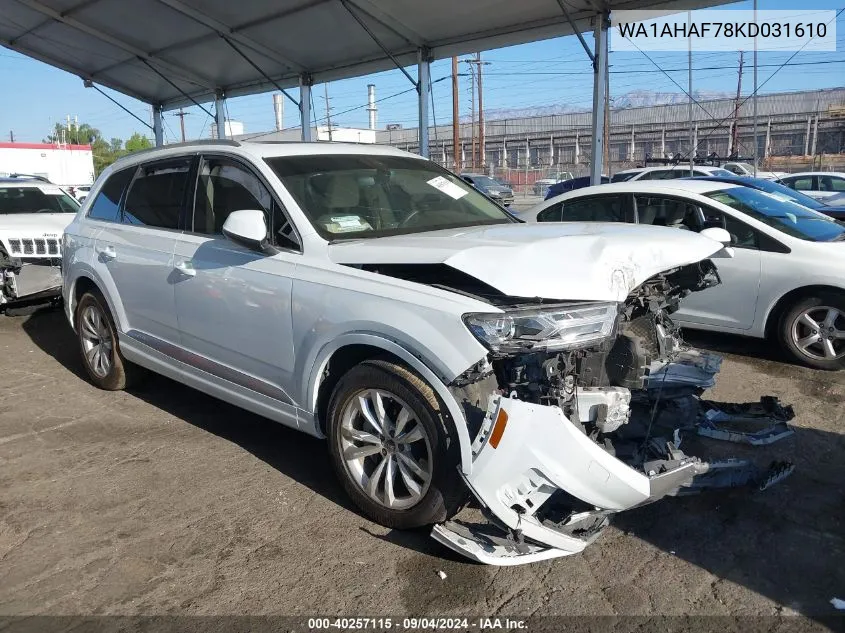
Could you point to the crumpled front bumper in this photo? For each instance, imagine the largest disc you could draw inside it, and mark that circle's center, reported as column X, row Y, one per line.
column 523, row 455
column 28, row 281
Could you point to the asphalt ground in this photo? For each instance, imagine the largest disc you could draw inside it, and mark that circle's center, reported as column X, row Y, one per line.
column 163, row 501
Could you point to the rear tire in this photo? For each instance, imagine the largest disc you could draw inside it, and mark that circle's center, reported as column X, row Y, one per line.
column 812, row 331
column 99, row 346
column 401, row 469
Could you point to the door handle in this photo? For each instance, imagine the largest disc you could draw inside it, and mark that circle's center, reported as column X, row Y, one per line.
column 106, row 253
column 186, row 267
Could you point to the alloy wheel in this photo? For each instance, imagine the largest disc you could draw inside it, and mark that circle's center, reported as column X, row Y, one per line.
column 386, row 449
column 819, row 333
column 97, row 341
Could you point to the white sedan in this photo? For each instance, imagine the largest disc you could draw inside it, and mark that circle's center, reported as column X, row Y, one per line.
column 785, row 280
column 817, row 184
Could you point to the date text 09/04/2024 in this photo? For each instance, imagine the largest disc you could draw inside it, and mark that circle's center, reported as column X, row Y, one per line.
column 414, row 624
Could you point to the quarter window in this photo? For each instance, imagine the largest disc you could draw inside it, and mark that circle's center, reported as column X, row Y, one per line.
column 107, row 203
column 552, row 214
column 157, row 194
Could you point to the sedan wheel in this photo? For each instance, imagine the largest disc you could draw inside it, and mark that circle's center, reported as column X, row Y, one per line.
column 812, row 330
column 819, row 333
column 386, row 449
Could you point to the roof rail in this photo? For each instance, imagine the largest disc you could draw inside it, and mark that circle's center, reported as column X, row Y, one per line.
column 30, row 177
column 712, row 159
column 205, row 141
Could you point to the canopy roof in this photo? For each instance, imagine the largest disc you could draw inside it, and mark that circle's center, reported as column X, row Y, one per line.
column 156, row 50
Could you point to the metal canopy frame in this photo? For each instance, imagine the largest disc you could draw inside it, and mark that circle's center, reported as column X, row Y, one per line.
column 173, row 53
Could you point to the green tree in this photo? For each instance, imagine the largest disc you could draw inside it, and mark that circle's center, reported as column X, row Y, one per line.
column 137, row 142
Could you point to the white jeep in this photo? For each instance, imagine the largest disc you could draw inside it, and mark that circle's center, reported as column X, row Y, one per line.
column 33, row 216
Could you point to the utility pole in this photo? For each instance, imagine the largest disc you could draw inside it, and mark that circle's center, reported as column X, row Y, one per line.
column 472, row 107
column 182, row 114
column 734, row 134
column 456, row 123
column 12, row 136
column 606, row 139
column 328, row 109
column 475, row 64
column 481, row 152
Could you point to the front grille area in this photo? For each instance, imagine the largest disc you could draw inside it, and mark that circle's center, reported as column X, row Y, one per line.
column 36, row 246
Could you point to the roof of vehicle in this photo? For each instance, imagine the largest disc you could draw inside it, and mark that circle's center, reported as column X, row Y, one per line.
column 23, row 182
column 815, row 173
column 676, row 187
column 261, row 149
column 474, row 175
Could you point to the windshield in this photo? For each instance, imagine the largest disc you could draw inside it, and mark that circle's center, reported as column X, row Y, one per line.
column 721, row 173
column 36, row 199
column 623, row 176
column 484, row 181
column 780, row 212
column 351, row 196
column 796, row 196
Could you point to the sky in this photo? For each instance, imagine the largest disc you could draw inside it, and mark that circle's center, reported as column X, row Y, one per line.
column 550, row 72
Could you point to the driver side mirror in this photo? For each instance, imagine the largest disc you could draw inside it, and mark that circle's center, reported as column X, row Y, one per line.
column 719, row 234
column 249, row 229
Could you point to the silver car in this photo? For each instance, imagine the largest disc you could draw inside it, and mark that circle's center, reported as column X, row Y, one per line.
column 369, row 297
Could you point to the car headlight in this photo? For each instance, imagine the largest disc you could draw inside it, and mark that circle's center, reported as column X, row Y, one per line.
column 549, row 328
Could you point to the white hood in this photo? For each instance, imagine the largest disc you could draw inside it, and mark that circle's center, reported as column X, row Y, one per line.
column 568, row 261
column 34, row 224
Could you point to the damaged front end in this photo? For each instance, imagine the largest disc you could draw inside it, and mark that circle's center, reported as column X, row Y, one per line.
column 579, row 411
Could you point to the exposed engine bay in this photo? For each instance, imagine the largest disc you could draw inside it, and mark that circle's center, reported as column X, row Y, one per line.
column 23, row 280
column 635, row 396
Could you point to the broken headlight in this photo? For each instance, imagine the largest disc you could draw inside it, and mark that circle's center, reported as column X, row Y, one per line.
column 568, row 326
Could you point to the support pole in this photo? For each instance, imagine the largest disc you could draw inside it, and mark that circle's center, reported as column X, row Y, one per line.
column 305, row 107
column 423, row 92
column 599, row 88
column 158, row 130
column 219, row 114
column 754, row 97
column 456, row 122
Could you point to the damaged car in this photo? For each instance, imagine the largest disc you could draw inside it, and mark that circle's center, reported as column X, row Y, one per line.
column 444, row 350
column 33, row 215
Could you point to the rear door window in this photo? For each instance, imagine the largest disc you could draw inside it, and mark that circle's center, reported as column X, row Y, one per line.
column 157, row 194
column 671, row 212
column 106, row 205
column 596, row 209
column 801, row 184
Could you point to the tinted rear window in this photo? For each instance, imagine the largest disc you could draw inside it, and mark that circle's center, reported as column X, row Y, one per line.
column 107, row 204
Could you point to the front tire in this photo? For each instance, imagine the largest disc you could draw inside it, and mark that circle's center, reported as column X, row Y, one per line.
column 812, row 331
column 395, row 453
column 99, row 347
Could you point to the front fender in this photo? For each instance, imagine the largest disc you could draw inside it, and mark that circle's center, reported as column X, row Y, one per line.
column 322, row 357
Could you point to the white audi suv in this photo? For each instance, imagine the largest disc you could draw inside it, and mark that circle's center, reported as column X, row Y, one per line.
column 443, row 348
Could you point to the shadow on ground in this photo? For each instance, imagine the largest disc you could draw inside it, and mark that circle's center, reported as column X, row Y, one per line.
column 787, row 543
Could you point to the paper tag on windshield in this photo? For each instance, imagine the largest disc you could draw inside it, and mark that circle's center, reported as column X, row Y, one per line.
column 449, row 188
column 51, row 190
column 348, row 222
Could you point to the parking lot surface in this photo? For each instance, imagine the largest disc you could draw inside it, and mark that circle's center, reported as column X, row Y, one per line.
column 165, row 501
